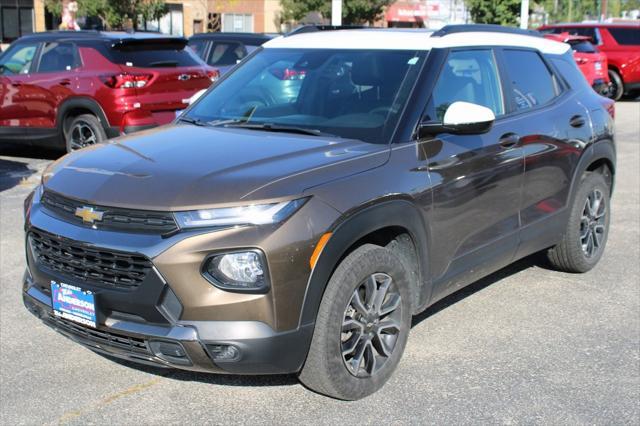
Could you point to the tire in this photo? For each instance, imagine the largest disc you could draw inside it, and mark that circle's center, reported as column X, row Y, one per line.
column 331, row 367
column 587, row 230
column 84, row 130
column 616, row 90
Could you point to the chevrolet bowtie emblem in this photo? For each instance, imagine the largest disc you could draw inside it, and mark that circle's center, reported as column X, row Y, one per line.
column 88, row 214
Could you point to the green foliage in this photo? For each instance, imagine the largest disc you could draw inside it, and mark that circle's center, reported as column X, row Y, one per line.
column 500, row 12
column 353, row 11
column 115, row 14
column 577, row 10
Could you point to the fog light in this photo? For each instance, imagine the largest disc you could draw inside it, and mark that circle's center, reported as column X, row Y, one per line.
column 169, row 351
column 223, row 352
column 243, row 271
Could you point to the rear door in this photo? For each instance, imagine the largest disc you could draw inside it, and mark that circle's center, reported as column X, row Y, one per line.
column 170, row 73
column 553, row 127
column 16, row 107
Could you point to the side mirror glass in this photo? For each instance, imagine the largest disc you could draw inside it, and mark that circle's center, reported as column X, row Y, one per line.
column 461, row 118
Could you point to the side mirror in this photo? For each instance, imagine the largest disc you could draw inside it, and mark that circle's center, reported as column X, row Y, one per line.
column 463, row 118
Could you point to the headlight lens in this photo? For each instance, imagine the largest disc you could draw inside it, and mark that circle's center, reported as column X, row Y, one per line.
column 257, row 214
column 242, row 271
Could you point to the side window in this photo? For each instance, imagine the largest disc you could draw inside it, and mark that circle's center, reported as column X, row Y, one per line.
column 226, row 54
column 469, row 76
column 532, row 82
column 58, row 57
column 199, row 47
column 18, row 59
column 626, row 36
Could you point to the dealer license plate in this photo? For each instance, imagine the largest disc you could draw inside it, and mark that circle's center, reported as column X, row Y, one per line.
column 73, row 303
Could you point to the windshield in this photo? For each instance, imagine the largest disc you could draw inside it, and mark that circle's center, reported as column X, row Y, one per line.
column 346, row 93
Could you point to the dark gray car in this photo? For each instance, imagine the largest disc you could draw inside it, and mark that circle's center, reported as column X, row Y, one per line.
column 262, row 235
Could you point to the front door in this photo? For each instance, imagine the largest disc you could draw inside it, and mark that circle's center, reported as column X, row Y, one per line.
column 477, row 179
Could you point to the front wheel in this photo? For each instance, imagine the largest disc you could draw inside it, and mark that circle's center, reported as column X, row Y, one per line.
column 588, row 228
column 362, row 325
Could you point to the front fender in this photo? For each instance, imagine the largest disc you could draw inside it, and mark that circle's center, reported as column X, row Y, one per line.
column 353, row 227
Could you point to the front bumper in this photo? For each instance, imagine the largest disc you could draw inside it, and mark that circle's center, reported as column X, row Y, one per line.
column 175, row 303
column 260, row 349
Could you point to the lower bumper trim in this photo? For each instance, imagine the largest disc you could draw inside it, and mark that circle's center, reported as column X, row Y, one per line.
column 260, row 349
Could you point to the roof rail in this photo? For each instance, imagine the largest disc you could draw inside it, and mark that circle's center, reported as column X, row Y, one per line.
column 314, row 28
column 490, row 28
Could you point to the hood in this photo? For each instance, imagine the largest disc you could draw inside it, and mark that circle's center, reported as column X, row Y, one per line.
column 183, row 167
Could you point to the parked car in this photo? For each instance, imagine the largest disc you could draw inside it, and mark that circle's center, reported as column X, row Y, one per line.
column 258, row 235
column 224, row 50
column 80, row 88
column 621, row 44
column 591, row 62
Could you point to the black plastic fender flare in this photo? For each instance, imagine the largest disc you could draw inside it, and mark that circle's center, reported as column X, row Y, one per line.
column 389, row 213
column 84, row 103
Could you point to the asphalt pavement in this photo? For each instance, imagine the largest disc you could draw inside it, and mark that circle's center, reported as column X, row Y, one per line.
column 525, row 345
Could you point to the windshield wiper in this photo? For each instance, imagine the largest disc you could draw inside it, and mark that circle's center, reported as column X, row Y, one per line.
column 194, row 121
column 268, row 127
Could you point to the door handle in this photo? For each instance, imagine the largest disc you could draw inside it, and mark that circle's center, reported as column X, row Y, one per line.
column 509, row 140
column 577, row 121
column 64, row 83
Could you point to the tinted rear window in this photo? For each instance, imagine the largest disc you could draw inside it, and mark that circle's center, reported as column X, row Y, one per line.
column 582, row 47
column 626, row 36
column 150, row 55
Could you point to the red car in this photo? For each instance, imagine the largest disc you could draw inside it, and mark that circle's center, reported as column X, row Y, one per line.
column 84, row 87
column 621, row 44
column 591, row 62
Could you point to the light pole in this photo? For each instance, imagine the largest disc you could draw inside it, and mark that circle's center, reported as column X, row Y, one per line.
column 336, row 12
column 524, row 14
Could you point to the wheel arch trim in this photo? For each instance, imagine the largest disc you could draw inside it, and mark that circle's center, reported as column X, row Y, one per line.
column 353, row 227
column 601, row 150
column 83, row 103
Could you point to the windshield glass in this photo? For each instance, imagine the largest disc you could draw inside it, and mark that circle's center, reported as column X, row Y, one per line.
column 354, row 94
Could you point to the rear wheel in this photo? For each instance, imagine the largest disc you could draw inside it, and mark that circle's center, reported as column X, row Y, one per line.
column 84, row 130
column 616, row 90
column 587, row 230
column 362, row 325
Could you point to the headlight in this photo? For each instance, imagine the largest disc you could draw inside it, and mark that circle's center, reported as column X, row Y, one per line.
column 257, row 214
column 240, row 271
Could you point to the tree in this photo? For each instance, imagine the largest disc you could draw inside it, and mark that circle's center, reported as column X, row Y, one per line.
column 500, row 12
column 353, row 11
column 115, row 14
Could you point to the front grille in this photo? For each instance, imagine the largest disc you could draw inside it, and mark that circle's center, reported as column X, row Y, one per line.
column 113, row 218
column 104, row 338
column 101, row 267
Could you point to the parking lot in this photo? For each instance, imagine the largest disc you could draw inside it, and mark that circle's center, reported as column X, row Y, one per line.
column 525, row 345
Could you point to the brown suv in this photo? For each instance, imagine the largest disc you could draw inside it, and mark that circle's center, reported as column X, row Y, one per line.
column 296, row 216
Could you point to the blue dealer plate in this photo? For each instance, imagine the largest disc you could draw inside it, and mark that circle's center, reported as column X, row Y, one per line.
column 73, row 303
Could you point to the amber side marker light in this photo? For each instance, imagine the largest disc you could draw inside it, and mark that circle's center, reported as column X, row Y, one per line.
column 316, row 252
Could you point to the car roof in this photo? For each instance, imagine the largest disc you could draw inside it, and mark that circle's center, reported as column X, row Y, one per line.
column 96, row 35
column 594, row 24
column 261, row 37
column 394, row 39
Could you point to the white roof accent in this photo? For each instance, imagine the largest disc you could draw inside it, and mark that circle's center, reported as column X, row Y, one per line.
column 410, row 40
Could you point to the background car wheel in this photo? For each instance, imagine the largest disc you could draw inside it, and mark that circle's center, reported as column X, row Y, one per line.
column 616, row 90
column 84, row 130
column 587, row 230
column 362, row 325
